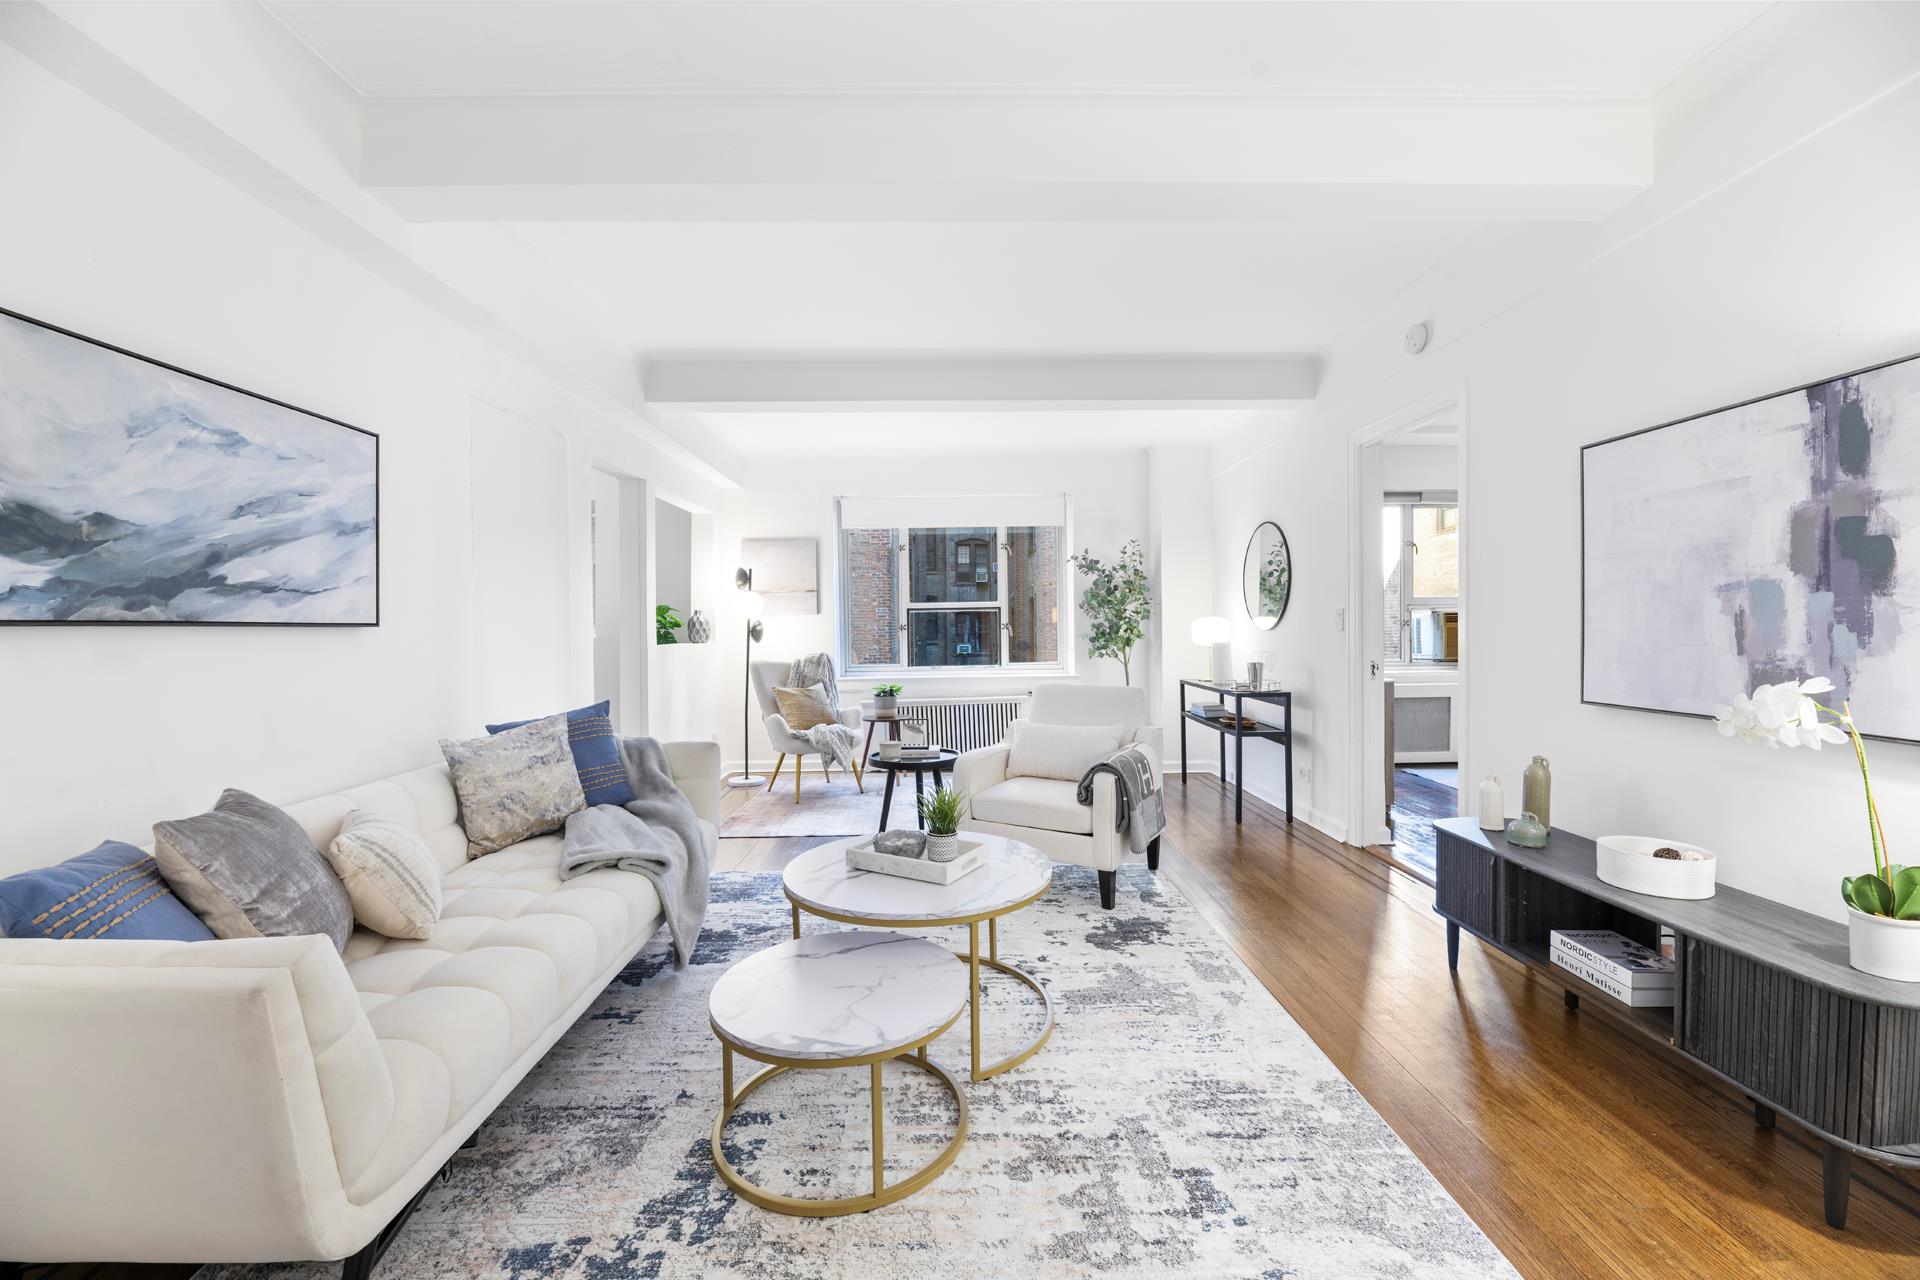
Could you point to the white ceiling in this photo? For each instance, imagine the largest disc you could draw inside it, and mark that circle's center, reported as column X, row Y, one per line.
column 984, row 288
column 432, row 47
column 985, row 178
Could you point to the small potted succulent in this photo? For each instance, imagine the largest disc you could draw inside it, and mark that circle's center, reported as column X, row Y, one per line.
column 886, row 699
column 942, row 812
column 1883, row 906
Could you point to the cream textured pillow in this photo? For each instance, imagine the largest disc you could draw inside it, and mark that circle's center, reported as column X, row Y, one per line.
column 803, row 708
column 516, row 784
column 1063, row 751
column 390, row 875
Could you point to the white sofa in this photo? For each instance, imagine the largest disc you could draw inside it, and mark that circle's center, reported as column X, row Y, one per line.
column 1045, row 812
column 270, row 1099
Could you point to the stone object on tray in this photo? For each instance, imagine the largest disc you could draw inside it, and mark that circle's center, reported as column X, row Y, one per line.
column 901, row 844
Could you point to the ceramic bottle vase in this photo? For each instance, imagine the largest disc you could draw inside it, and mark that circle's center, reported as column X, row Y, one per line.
column 1492, row 810
column 1537, row 783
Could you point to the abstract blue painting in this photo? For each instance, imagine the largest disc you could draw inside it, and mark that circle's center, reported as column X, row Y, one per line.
column 131, row 491
column 1761, row 543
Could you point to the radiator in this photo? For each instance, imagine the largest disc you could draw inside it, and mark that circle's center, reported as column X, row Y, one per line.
column 1422, row 724
column 962, row 724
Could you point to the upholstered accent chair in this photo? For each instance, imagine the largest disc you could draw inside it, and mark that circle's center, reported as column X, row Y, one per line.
column 1044, row 812
column 766, row 677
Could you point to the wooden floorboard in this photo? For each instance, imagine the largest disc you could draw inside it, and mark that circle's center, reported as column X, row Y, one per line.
column 1580, row 1151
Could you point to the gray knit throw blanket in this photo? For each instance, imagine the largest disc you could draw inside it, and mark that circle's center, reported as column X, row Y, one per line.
column 833, row 740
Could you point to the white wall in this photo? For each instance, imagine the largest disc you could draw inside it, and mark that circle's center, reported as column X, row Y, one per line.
column 484, row 470
column 1405, row 467
column 1776, row 249
column 793, row 497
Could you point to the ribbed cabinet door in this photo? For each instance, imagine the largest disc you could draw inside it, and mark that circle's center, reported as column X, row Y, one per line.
column 1843, row 1065
column 1465, row 882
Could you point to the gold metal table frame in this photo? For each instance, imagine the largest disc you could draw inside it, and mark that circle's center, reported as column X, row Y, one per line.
column 913, row 1053
column 971, row 957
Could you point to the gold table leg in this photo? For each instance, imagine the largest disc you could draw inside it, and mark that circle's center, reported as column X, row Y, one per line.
column 796, row 919
column 879, row 1138
column 973, row 990
column 882, row 1194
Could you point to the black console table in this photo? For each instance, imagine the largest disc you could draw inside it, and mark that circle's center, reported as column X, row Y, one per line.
column 1765, row 999
column 1273, row 695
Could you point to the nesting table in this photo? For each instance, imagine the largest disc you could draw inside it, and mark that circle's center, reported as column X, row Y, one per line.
column 859, row 998
column 820, row 883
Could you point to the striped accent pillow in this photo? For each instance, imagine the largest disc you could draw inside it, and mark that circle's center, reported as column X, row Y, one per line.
column 113, row 891
column 390, row 874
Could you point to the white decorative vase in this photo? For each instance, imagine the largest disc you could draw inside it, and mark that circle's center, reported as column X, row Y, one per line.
column 885, row 706
column 1492, row 812
column 943, row 848
column 1883, row 946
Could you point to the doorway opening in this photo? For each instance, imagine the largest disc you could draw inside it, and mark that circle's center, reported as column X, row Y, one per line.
column 1409, row 649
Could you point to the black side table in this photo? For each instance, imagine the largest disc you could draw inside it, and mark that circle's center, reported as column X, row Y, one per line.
column 1240, row 695
column 936, row 765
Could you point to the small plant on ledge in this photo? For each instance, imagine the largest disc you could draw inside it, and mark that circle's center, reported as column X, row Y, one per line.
column 1883, row 906
column 665, row 623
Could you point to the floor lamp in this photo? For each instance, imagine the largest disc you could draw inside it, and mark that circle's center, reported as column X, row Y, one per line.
column 743, row 579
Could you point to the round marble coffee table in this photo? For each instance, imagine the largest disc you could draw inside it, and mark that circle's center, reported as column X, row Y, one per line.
column 853, row 999
column 819, row 882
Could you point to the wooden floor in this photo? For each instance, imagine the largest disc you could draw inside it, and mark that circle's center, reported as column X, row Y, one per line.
column 1579, row 1150
column 1417, row 801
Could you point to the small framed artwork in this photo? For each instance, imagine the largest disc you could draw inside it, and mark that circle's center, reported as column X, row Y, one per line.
column 915, row 736
column 786, row 573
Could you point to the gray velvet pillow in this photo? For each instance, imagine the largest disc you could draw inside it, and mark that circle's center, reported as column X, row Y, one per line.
column 515, row 784
column 249, row 871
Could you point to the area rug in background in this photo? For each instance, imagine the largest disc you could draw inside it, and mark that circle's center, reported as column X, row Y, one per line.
column 1179, row 1123
column 826, row 808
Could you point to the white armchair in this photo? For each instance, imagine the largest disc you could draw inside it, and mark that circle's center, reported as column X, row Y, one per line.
column 1044, row 812
column 768, row 675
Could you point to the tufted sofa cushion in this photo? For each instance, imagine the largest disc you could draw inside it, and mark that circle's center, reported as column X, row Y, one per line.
column 516, row 947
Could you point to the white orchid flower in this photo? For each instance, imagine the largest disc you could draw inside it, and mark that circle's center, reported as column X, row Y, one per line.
column 1781, row 715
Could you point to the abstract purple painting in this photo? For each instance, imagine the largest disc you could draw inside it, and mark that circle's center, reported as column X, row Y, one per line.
column 1759, row 543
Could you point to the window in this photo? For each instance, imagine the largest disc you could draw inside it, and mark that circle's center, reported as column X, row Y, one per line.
column 963, row 596
column 1420, row 577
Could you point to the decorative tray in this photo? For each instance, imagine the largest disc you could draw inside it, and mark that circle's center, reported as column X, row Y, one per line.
column 862, row 856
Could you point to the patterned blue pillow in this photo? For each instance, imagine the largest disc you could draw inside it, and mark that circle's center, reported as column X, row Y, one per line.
column 113, row 891
column 596, row 753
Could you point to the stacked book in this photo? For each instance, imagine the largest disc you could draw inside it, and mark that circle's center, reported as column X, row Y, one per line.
column 1622, row 968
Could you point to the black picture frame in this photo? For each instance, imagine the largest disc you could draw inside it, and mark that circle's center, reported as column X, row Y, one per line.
column 238, row 390
column 1801, row 389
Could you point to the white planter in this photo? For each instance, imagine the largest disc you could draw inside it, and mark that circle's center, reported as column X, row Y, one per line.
column 1883, row 946
column 1628, row 862
column 943, row 848
column 886, row 706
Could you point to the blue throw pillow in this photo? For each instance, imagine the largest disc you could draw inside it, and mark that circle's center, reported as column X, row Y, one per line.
column 113, row 891
column 596, row 753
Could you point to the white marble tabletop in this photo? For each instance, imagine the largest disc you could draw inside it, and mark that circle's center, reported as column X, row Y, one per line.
column 838, row 995
column 821, row 880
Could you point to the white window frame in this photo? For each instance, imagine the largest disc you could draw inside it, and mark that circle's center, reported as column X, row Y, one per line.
column 903, row 603
column 1408, row 503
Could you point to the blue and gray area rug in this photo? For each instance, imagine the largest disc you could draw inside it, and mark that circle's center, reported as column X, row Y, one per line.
column 1178, row 1123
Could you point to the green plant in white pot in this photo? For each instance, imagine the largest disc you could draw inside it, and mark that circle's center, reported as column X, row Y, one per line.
column 886, row 699
column 1883, row 906
column 942, row 812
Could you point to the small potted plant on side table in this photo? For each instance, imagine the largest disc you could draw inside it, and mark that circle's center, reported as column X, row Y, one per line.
column 886, row 699
column 1883, row 906
column 942, row 812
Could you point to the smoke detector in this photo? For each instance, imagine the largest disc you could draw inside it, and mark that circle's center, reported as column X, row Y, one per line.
column 1417, row 338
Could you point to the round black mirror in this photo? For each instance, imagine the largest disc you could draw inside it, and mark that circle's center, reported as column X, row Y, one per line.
column 1267, row 576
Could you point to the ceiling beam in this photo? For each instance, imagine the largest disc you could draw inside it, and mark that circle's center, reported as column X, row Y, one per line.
column 1003, row 156
column 1070, row 382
